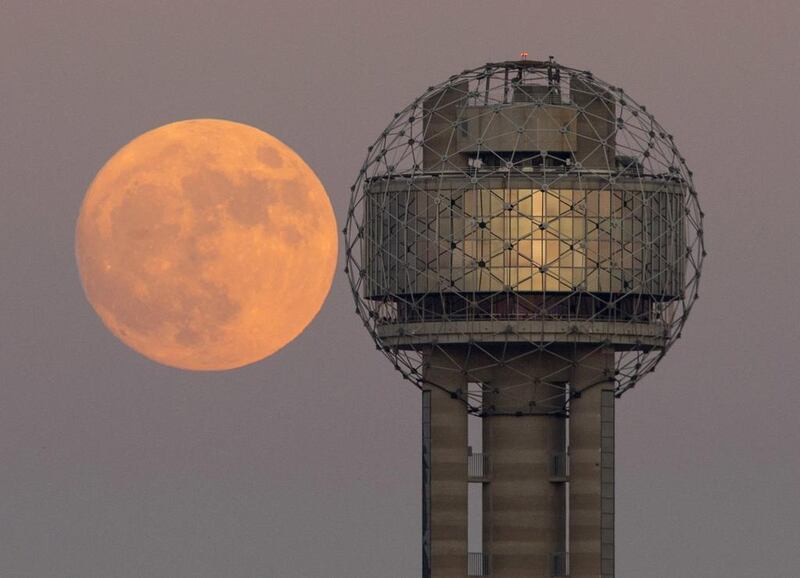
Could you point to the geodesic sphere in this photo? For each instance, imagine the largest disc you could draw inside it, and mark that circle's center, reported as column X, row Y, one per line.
column 524, row 209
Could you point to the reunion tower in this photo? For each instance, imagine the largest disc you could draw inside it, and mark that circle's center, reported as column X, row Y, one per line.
column 524, row 244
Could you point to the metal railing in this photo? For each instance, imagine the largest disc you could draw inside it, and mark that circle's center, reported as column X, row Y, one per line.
column 559, row 467
column 478, row 467
column 477, row 564
column 624, row 308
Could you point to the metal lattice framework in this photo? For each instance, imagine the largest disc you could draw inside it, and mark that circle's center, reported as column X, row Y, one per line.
column 522, row 208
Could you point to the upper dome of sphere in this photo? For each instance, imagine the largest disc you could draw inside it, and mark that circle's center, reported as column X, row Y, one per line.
column 524, row 207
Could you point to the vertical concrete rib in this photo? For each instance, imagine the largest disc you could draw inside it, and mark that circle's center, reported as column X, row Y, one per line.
column 591, row 451
column 426, row 484
column 448, row 470
column 607, row 400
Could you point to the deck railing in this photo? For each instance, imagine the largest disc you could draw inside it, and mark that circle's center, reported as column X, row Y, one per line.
column 478, row 564
column 478, row 467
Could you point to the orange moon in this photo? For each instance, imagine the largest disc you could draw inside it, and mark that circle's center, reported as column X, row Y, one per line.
column 206, row 244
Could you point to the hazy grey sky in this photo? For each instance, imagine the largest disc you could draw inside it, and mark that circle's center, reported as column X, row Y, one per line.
column 307, row 464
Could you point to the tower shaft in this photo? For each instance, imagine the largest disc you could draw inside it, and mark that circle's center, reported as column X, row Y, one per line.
column 591, row 478
column 446, row 526
column 535, row 509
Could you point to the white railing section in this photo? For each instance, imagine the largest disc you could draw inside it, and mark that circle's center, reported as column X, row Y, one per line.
column 477, row 564
column 478, row 467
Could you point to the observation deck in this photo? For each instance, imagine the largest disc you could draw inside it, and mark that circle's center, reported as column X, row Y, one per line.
column 522, row 219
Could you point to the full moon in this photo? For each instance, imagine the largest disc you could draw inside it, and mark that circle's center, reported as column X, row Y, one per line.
column 206, row 244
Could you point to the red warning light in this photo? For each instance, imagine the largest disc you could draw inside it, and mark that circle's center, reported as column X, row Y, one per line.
column 524, row 55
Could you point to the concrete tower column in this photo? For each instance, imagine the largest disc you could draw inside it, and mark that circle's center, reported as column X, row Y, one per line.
column 447, row 469
column 524, row 511
column 591, row 452
column 524, row 505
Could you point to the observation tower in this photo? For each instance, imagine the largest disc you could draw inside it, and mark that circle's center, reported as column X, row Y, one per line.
column 524, row 243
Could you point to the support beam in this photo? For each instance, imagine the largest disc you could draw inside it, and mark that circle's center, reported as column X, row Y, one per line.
column 426, row 484
column 524, row 509
column 448, row 471
column 591, row 451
